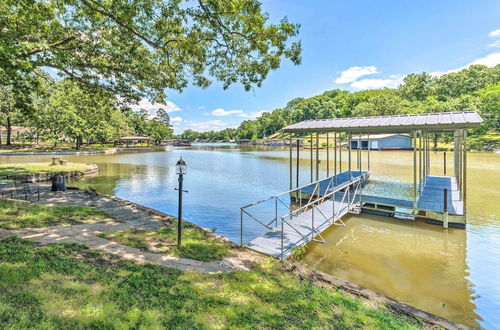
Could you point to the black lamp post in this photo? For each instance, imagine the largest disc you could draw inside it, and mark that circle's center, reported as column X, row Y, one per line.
column 180, row 169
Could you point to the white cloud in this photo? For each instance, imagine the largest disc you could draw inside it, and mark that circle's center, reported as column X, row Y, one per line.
column 206, row 126
column 494, row 33
column 252, row 115
column 355, row 72
column 222, row 113
column 494, row 44
column 489, row 60
column 176, row 120
column 151, row 107
column 392, row 82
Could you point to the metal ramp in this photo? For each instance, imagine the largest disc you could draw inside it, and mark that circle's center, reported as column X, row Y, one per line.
column 327, row 203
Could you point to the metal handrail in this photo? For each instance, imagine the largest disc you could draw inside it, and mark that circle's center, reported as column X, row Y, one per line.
column 315, row 205
column 344, row 185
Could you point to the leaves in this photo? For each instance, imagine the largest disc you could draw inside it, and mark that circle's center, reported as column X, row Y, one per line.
column 138, row 49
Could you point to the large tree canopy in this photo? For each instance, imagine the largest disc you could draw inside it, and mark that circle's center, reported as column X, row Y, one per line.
column 139, row 48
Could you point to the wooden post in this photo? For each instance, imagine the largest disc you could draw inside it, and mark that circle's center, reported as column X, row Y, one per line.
column 444, row 163
column 327, row 155
column 291, row 163
column 340, row 155
column 414, row 171
column 369, row 147
column 349, row 137
column 335, row 155
column 420, row 161
column 317, row 156
column 445, row 209
column 360, row 145
column 465, row 175
column 297, row 165
column 311, row 157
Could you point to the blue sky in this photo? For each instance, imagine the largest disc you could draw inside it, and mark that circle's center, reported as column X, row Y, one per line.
column 351, row 45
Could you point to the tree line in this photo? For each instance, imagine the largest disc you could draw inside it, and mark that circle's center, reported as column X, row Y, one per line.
column 476, row 88
column 64, row 111
column 102, row 56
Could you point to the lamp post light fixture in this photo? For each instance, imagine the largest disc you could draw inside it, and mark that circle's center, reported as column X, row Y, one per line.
column 180, row 169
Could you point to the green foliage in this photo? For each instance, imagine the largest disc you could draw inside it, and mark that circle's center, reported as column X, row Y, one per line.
column 141, row 48
column 69, row 286
column 472, row 89
column 15, row 215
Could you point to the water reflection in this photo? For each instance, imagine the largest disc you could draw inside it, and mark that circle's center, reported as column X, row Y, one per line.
column 451, row 273
column 409, row 261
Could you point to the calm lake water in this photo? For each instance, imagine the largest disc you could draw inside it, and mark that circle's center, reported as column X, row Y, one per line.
column 453, row 273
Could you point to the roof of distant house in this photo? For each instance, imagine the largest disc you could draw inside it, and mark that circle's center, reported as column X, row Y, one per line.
column 135, row 138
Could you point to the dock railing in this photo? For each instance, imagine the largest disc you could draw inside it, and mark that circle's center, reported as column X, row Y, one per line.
column 313, row 206
column 296, row 193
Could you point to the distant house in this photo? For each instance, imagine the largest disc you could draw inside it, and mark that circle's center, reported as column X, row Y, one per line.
column 16, row 131
column 382, row 142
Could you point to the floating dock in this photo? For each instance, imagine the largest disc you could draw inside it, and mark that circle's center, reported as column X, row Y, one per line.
column 320, row 204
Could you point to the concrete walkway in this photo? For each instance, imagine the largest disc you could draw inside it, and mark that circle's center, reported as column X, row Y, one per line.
column 130, row 215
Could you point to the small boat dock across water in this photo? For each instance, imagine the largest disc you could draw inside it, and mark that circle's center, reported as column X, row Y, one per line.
column 301, row 214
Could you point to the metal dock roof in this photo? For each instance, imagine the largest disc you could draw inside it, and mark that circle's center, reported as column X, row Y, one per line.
column 438, row 121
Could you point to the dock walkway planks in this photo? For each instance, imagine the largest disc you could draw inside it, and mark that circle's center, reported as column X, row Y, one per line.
column 432, row 196
column 270, row 242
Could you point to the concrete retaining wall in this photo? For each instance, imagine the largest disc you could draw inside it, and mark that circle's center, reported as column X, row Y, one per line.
column 46, row 176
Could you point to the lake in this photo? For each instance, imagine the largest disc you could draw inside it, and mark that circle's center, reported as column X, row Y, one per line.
column 453, row 273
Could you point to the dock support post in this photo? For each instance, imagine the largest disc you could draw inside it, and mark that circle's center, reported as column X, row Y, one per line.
column 359, row 152
column 327, row 155
column 349, row 137
column 369, row 147
column 414, row 172
column 276, row 211
column 465, row 175
column 340, row 154
column 444, row 162
column 335, row 156
column 282, row 233
column 297, row 166
column 420, row 162
column 317, row 156
column 241, row 227
column 291, row 163
column 311, row 157
column 445, row 209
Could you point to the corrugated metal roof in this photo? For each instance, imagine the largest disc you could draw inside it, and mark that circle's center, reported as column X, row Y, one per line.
column 386, row 124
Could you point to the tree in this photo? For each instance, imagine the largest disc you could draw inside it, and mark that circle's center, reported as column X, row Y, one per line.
column 384, row 102
column 7, row 107
column 489, row 98
column 139, row 48
column 466, row 81
column 417, row 87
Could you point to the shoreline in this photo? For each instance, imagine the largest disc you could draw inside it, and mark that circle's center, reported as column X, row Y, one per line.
column 341, row 284
column 41, row 153
column 46, row 176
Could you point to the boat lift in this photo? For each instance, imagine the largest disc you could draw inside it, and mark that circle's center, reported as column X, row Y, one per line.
column 312, row 208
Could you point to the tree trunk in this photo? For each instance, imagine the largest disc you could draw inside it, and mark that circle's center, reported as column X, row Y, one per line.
column 435, row 142
column 9, row 130
column 79, row 142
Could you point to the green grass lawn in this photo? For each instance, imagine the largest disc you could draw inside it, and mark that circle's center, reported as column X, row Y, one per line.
column 196, row 244
column 28, row 168
column 16, row 215
column 68, row 286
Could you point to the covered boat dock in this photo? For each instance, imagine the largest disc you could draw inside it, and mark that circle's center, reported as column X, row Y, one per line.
column 311, row 208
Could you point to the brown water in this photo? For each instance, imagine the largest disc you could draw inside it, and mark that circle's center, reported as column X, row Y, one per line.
column 453, row 273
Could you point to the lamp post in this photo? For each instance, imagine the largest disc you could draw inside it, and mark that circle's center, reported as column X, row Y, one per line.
column 180, row 169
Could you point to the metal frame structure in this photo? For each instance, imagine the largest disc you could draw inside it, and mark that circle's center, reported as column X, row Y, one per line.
column 420, row 126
